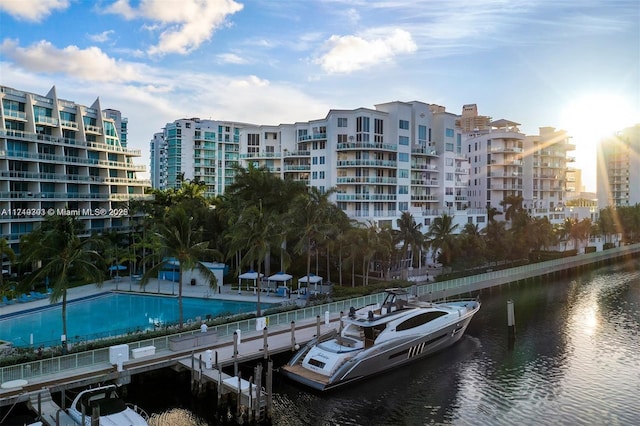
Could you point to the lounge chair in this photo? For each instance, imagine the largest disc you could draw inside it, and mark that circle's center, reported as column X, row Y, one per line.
column 37, row 295
column 7, row 301
column 23, row 298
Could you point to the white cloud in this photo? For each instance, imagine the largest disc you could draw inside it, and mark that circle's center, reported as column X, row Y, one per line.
column 184, row 24
column 231, row 58
column 101, row 37
column 90, row 64
column 350, row 53
column 32, row 10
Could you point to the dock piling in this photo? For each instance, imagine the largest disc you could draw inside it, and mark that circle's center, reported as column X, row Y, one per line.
column 318, row 327
column 511, row 321
column 293, row 336
column 265, row 345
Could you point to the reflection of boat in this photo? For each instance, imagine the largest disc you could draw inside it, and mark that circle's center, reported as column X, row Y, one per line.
column 111, row 409
column 376, row 338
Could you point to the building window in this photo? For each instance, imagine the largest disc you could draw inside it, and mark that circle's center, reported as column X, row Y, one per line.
column 314, row 175
column 403, row 189
column 314, row 160
column 403, row 206
column 403, row 173
column 449, row 177
column 448, row 133
column 342, row 122
column 403, row 140
column 321, row 175
column 404, row 124
column 403, row 156
column 322, row 159
column 362, row 124
column 448, row 147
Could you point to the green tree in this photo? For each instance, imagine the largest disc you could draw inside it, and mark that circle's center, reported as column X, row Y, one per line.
column 409, row 234
column 180, row 241
column 5, row 251
column 442, row 238
column 61, row 256
column 253, row 235
column 311, row 221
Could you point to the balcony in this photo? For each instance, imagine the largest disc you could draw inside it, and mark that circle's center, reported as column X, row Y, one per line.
column 93, row 129
column 367, row 163
column 49, row 121
column 366, row 197
column 416, row 197
column 366, row 146
column 314, row 137
column 18, row 115
column 367, row 180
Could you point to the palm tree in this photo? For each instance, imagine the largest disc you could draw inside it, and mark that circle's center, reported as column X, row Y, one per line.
column 5, row 250
column 411, row 237
column 179, row 241
column 472, row 245
column 60, row 255
column 253, row 235
column 311, row 221
column 496, row 237
column 442, row 238
column 512, row 205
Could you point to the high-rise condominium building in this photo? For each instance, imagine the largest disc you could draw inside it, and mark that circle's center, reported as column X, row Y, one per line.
column 400, row 156
column 505, row 162
column 618, row 167
column 61, row 158
column 194, row 149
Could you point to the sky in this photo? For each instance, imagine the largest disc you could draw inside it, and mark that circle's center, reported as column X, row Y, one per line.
column 573, row 65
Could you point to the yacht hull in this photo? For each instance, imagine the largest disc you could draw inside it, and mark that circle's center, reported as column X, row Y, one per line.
column 381, row 357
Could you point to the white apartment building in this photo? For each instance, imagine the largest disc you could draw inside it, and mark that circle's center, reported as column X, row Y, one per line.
column 505, row 162
column 194, row 149
column 618, row 166
column 59, row 157
column 400, row 156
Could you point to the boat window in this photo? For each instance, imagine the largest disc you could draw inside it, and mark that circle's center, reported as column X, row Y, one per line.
column 420, row 319
column 317, row 363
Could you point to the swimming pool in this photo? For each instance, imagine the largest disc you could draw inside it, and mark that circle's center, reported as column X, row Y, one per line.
column 109, row 314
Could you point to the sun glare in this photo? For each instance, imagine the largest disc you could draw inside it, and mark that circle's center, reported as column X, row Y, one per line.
column 591, row 117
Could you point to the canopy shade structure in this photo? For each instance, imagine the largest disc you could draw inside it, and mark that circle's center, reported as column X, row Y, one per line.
column 280, row 278
column 311, row 279
column 117, row 268
column 250, row 275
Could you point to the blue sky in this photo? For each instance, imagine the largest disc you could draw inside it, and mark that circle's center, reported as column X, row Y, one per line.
column 568, row 64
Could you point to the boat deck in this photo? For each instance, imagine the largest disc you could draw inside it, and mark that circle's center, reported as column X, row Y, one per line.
column 299, row 370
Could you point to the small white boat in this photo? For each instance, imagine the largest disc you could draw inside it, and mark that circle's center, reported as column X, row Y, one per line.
column 108, row 406
column 376, row 338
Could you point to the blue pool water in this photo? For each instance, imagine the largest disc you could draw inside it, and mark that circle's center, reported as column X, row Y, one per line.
column 110, row 314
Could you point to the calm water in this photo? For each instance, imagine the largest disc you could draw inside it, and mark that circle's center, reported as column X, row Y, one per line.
column 109, row 314
column 575, row 360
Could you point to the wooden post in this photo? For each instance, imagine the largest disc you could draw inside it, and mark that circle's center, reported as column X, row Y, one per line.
column 293, row 336
column 269, row 388
column 318, row 327
column 239, row 402
column 250, row 408
column 235, row 353
column 511, row 323
column 258, row 392
column 265, row 345
column 193, row 368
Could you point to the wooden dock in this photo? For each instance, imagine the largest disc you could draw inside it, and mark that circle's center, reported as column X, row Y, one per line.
column 229, row 351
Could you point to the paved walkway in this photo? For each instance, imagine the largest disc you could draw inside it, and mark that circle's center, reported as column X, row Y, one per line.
column 157, row 287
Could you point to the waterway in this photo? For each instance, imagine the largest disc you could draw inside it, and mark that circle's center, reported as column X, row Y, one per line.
column 575, row 360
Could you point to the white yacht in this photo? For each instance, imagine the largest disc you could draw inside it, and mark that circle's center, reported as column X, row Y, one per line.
column 377, row 338
column 110, row 408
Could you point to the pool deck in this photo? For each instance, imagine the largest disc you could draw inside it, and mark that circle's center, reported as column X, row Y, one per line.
column 154, row 287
